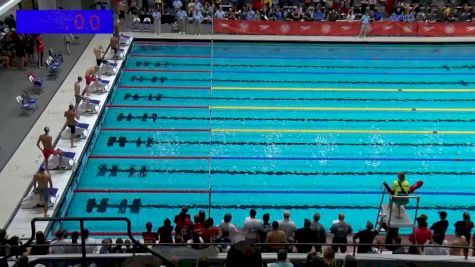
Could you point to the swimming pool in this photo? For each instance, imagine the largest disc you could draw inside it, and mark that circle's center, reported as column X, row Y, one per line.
column 275, row 126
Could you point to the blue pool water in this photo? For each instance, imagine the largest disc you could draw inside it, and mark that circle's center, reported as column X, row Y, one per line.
column 275, row 126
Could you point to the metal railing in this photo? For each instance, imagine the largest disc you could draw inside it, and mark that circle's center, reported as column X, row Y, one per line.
column 218, row 257
column 83, row 245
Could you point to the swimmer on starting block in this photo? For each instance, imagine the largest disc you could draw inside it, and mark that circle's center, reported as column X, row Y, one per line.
column 47, row 141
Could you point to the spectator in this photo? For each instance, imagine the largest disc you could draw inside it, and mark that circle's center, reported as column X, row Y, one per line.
column 281, row 260
column 340, row 231
column 15, row 249
column 59, row 245
column 441, row 226
column 41, row 245
column 398, row 249
column 89, row 241
column 252, row 226
column 287, row 225
column 223, row 239
column 198, row 228
column 22, row 261
column 365, row 19
column 305, row 235
column 165, row 233
column 29, row 48
column 459, row 240
column 148, row 236
column 196, row 241
column 76, row 248
column 228, row 226
column 465, row 226
column 119, row 242
column 266, row 227
column 211, row 233
column 420, row 236
column 183, row 226
column 181, row 18
column 328, row 259
column 3, row 242
column 366, row 237
column 220, row 14
column 242, row 254
column 202, row 214
column 438, row 249
column 128, row 246
column 319, row 230
column 276, row 236
column 197, row 17
column 106, row 246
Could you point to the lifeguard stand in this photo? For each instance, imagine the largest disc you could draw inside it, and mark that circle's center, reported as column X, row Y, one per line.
column 388, row 212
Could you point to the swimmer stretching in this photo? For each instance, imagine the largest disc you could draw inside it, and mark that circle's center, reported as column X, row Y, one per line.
column 47, row 141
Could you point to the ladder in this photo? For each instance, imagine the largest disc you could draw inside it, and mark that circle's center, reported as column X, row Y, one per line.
column 388, row 213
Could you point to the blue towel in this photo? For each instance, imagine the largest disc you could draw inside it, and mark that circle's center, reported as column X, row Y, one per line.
column 82, row 125
column 69, row 155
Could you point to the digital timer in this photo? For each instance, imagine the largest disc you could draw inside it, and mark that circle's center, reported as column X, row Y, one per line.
column 64, row 21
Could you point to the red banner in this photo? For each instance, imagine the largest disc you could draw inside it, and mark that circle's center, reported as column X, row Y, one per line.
column 343, row 28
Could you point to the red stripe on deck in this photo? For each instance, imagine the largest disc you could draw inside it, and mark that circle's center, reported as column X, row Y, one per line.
column 145, row 106
column 154, row 130
column 142, row 191
column 146, row 157
column 163, row 87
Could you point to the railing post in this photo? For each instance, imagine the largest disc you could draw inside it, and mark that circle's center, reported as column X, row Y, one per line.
column 209, row 203
column 83, row 244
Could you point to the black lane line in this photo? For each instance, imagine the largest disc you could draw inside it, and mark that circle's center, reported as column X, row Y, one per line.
column 143, row 171
column 163, row 79
column 166, row 64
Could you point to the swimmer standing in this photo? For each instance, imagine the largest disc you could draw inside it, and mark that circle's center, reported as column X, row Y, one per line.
column 47, row 141
column 41, row 180
column 71, row 122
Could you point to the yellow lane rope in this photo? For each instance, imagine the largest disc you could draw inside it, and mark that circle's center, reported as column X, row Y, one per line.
column 339, row 131
column 440, row 90
column 342, row 108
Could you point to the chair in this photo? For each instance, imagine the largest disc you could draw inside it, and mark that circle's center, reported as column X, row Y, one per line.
column 136, row 24
column 28, row 98
column 36, row 85
column 57, row 57
column 25, row 106
column 53, row 68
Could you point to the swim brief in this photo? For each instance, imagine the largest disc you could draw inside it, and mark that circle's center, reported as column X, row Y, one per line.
column 73, row 128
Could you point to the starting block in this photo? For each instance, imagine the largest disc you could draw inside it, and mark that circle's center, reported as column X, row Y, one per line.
column 67, row 161
column 33, row 200
column 108, row 68
column 124, row 40
column 100, row 86
column 81, row 131
column 89, row 107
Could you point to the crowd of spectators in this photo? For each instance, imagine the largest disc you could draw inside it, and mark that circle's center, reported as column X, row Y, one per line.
column 199, row 232
column 20, row 50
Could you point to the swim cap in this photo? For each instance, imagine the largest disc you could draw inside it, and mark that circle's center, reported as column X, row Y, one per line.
column 46, row 129
column 42, row 168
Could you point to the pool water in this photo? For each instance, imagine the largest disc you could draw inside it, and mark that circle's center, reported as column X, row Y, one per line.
column 226, row 127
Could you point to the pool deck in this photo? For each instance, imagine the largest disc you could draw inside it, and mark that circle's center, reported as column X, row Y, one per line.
column 16, row 177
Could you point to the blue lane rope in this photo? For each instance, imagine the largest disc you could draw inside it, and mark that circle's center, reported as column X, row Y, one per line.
column 332, row 192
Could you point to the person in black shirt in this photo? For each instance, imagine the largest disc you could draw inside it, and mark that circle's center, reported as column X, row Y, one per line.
column 305, row 235
column 366, row 237
column 466, row 225
column 441, row 226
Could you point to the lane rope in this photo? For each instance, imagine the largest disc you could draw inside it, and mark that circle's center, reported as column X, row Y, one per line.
column 340, row 131
column 438, row 90
column 280, row 158
column 342, row 108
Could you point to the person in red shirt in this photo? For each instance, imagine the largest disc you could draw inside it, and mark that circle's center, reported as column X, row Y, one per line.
column 165, row 232
column 211, row 233
column 421, row 235
column 183, row 226
column 40, row 49
column 198, row 227
column 149, row 237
